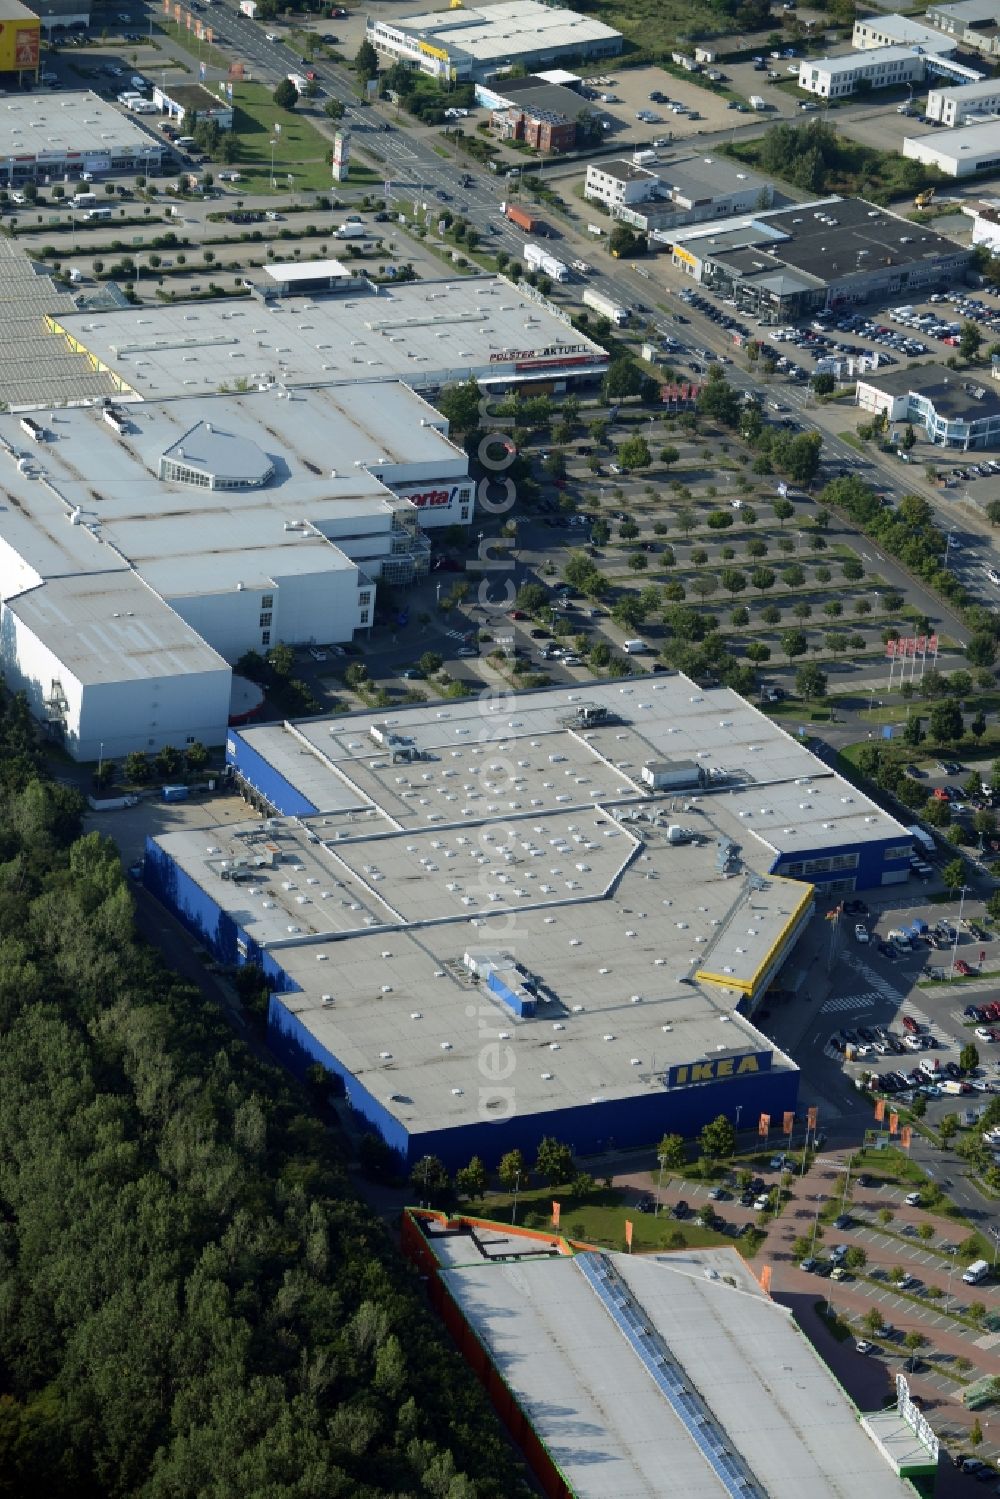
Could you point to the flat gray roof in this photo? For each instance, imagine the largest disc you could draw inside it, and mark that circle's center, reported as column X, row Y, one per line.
column 507, row 29
column 607, row 1424
column 38, row 125
column 426, row 333
column 315, row 444
column 642, row 946
column 965, row 141
column 110, row 627
column 707, row 176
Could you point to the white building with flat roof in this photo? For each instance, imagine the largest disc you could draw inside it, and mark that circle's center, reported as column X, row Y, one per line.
column 958, row 153
column 472, row 43
column 962, row 105
column 879, row 67
column 427, row 333
column 46, row 137
column 668, row 194
column 148, row 546
column 892, row 31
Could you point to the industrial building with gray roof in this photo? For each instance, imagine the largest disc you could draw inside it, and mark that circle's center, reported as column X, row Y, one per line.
column 598, row 886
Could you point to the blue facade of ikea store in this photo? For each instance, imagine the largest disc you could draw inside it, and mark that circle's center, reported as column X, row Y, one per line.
column 589, row 1128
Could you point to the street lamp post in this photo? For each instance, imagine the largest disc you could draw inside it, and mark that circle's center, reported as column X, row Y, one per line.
column 954, row 946
column 273, row 143
column 517, row 1188
column 739, row 1110
column 659, row 1186
column 100, row 759
column 995, row 1232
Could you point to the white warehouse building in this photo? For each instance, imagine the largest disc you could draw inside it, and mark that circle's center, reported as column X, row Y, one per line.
column 147, row 547
column 958, row 153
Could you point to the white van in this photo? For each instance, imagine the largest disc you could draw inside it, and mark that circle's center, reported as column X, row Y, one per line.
column 635, row 647
column 98, row 213
column 84, row 200
column 976, row 1272
column 185, row 142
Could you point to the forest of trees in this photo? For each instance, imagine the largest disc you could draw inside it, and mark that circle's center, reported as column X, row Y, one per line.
column 193, row 1300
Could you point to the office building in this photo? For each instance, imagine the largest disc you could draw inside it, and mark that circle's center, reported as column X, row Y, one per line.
column 49, row 137
column 958, row 153
column 952, row 409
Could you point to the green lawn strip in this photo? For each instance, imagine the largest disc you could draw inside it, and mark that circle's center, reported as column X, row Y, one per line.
column 597, row 1216
column 299, row 148
column 203, row 51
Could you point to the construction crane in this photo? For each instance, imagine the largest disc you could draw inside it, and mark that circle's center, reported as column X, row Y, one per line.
column 924, row 199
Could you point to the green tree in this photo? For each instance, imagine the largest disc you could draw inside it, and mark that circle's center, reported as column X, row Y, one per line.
column 512, row 1171
column 953, row 874
column 794, row 643
column 913, row 731
column 976, row 1433
column 461, row 404
column 554, row 1161
column 855, row 1258
column 733, row 580
column 669, row 455
column 981, row 649
column 366, row 62
column 286, row 95
column 873, row 1321
column 810, row 681
column 914, row 1340
column 334, row 109
column 968, row 1057
column 763, row 578
column 470, row 1180
column 137, row 769
column 823, row 384
column 718, row 1138
column 429, row 1178
column 970, row 339
column 634, row 453
column 947, row 1127
column 671, row 1152
column 946, row 726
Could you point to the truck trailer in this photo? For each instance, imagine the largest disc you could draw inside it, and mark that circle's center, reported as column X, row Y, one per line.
column 608, row 308
column 529, row 222
column 540, row 260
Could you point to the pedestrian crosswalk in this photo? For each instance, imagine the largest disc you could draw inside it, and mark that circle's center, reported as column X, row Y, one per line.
column 854, row 1001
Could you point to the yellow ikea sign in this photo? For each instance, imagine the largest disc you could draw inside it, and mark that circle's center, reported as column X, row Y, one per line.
column 718, row 1069
column 430, row 51
column 684, row 256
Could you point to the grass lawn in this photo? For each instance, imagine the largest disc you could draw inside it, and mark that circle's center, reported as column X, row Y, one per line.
column 210, row 56
column 299, row 149
column 598, row 1217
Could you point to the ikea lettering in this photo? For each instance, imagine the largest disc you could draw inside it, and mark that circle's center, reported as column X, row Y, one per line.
column 717, row 1069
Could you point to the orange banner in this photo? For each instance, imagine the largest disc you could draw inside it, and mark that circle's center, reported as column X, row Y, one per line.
column 763, row 1124
column 905, row 1136
column 628, row 1232
column 811, row 1117
column 210, row 34
column 765, row 1280
column 788, row 1123
column 893, row 1124
column 166, row 7
column 880, row 1109
column 177, row 14
column 555, row 1215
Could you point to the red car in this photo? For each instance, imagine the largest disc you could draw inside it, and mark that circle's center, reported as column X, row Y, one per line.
column 963, row 968
column 941, row 794
column 518, row 614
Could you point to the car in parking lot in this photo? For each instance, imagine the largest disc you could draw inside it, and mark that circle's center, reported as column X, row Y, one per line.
column 762, row 1203
column 680, row 1209
column 809, row 1264
column 913, row 1199
column 861, row 933
column 863, row 1346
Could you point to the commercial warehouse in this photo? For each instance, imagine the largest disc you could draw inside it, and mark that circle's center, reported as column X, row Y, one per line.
column 650, row 1374
column 788, row 263
column 428, row 333
column 148, row 547
column 49, row 137
column 666, row 195
column 550, row 914
column 466, row 43
column 958, row 153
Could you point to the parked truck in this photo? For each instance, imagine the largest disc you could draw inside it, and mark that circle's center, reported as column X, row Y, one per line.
column 529, row 222
column 757, row 103
column 608, row 308
column 351, row 230
column 299, row 80
column 248, row 8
